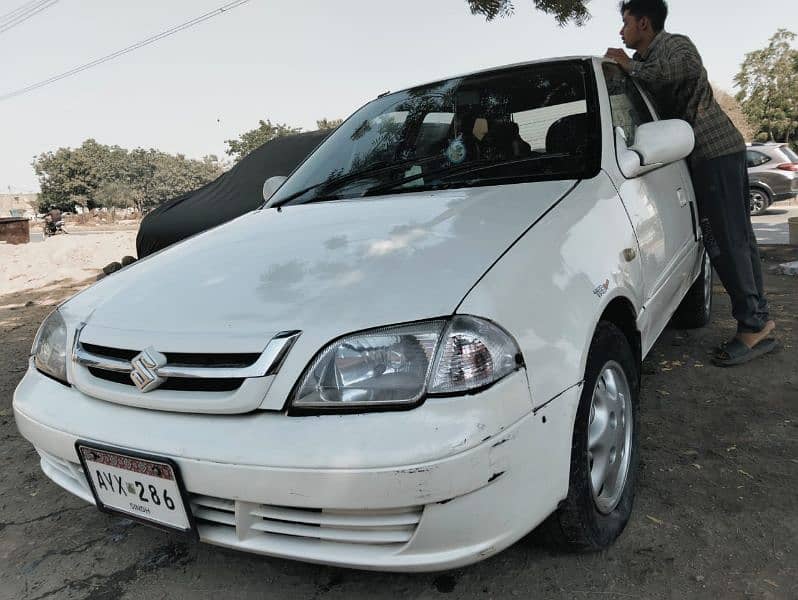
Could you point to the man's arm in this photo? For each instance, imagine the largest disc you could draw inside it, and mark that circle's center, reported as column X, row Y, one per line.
column 675, row 61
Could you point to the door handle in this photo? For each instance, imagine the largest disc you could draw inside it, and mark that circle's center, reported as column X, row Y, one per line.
column 682, row 197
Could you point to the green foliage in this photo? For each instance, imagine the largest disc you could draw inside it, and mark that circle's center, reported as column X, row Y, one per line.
column 98, row 175
column 768, row 82
column 325, row 124
column 563, row 11
column 254, row 138
column 115, row 194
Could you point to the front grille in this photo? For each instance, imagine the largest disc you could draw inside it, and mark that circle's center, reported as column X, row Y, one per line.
column 206, row 382
column 385, row 528
column 183, row 384
column 177, row 359
column 181, row 358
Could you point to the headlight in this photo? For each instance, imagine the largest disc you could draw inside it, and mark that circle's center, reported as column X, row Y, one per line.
column 393, row 366
column 474, row 354
column 49, row 347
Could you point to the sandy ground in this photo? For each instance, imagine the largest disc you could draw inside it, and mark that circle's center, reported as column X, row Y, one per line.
column 716, row 514
column 69, row 258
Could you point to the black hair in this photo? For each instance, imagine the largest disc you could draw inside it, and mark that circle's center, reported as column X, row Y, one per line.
column 655, row 10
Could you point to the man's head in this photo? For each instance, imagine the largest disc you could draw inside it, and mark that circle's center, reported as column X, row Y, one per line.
column 642, row 21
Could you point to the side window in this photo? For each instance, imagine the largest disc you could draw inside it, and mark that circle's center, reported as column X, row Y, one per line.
column 629, row 109
column 754, row 158
column 534, row 124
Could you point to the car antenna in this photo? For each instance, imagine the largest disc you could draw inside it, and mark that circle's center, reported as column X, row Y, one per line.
column 384, row 94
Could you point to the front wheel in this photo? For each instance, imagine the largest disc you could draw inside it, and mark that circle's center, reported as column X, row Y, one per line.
column 604, row 450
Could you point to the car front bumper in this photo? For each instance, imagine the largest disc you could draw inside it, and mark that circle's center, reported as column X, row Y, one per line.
column 786, row 188
column 338, row 492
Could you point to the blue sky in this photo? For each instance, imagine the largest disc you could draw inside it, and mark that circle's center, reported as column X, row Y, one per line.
column 292, row 62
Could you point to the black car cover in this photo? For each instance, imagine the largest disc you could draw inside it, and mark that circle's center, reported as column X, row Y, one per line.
column 232, row 194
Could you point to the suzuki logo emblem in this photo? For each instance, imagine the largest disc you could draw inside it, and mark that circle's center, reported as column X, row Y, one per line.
column 144, row 369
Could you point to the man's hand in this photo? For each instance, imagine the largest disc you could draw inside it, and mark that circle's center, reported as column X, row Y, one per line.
column 619, row 56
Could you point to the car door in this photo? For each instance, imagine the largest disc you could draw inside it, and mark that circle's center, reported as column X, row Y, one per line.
column 661, row 206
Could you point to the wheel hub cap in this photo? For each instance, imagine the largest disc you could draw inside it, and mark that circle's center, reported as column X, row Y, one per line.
column 610, row 437
column 757, row 201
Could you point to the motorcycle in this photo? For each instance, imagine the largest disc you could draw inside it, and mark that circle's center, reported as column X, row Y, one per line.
column 51, row 227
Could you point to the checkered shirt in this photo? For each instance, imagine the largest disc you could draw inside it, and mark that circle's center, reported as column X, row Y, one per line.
column 672, row 72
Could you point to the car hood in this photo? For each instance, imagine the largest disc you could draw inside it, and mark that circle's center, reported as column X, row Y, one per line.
column 325, row 269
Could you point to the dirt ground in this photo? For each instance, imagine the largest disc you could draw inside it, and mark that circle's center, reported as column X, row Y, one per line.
column 716, row 514
column 72, row 257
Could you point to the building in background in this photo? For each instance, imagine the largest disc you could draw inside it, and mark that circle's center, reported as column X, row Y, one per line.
column 19, row 205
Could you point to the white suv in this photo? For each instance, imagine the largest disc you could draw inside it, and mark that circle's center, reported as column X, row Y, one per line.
column 425, row 344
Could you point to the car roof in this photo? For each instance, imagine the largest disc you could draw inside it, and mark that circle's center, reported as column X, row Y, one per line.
column 540, row 61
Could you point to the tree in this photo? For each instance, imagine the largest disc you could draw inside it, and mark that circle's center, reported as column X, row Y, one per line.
column 563, row 10
column 325, row 124
column 254, row 138
column 97, row 175
column 115, row 194
column 157, row 176
column 735, row 112
column 67, row 174
column 768, row 82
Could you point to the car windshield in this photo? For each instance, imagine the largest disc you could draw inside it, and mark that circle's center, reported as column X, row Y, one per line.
column 530, row 123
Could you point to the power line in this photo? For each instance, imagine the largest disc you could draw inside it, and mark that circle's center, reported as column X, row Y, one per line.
column 131, row 48
column 17, row 11
column 23, row 13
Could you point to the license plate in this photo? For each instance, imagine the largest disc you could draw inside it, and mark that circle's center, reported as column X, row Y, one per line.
column 146, row 488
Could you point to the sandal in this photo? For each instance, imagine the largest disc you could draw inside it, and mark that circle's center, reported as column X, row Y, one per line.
column 736, row 352
column 721, row 348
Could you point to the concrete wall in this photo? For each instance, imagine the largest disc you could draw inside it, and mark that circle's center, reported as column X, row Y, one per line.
column 26, row 203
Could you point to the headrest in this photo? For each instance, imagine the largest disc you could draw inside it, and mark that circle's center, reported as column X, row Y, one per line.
column 480, row 128
column 567, row 135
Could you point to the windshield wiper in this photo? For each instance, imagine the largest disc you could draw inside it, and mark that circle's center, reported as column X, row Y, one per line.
column 453, row 171
column 374, row 169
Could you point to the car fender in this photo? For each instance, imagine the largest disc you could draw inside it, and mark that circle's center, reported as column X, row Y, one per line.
column 550, row 289
column 760, row 184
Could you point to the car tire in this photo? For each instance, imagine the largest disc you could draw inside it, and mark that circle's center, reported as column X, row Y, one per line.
column 760, row 201
column 696, row 308
column 589, row 520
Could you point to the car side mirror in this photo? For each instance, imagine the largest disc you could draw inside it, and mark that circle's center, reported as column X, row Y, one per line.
column 656, row 144
column 271, row 185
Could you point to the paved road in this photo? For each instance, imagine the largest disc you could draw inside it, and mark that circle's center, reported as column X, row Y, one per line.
column 37, row 235
column 772, row 227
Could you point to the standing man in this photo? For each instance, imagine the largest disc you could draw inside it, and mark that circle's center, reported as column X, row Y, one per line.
column 671, row 70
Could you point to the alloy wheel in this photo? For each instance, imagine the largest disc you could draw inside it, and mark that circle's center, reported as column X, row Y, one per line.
column 757, row 201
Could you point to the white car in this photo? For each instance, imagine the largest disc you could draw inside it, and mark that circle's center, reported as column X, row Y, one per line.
column 426, row 344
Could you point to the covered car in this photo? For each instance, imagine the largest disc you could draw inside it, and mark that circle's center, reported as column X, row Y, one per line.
column 230, row 195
